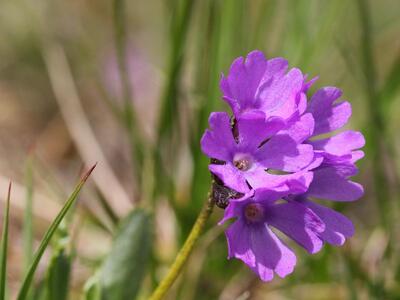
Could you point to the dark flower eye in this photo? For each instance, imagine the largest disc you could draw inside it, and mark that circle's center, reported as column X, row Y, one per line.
column 223, row 194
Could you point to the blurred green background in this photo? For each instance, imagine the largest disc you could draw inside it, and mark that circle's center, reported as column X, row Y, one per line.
column 130, row 85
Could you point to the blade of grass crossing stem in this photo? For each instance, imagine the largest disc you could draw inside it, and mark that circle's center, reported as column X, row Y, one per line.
column 49, row 234
column 4, row 247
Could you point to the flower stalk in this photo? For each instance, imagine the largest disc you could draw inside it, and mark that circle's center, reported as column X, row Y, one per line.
column 185, row 251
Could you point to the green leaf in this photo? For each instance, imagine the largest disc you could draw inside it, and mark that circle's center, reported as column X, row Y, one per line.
column 59, row 270
column 58, row 276
column 92, row 288
column 4, row 247
column 125, row 266
column 49, row 234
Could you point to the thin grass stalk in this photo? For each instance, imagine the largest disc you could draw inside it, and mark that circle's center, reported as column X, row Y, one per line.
column 169, row 100
column 4, row 246
column 28, row 216
column 199, row 186
column 170, row 97
column 131, row 122
column 377, row 128
column 81, row 132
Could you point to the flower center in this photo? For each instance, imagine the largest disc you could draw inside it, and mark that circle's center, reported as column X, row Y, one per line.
column 242, row 162
column 254, row 212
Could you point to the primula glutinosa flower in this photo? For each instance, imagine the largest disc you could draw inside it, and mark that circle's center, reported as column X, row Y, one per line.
column 258, row 147
column 255, row 83
column 272, row 156
column 339, row 153
column 251, row 239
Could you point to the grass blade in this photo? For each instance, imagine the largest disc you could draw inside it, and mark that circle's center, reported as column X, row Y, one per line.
column 28, row 213
column 391, row 85
column 50, row 232
column 4, row 246
column 169, row 102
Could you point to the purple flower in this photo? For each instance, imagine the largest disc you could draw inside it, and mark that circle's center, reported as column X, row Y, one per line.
column 256, row 83
column 339, row 154
column 273, row 150
column 251, row 239
column 258, row 145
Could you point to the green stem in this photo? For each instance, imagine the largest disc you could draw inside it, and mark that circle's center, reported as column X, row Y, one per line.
column 185, row 251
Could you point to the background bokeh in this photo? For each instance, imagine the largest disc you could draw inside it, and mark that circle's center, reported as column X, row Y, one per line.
column 130, row 85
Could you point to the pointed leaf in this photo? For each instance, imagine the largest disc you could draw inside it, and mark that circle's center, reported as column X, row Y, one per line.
column 4, row 247
column 125, row 266
column 49, row 234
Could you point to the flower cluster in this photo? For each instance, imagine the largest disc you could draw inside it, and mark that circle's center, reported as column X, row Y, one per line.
column 271, row 158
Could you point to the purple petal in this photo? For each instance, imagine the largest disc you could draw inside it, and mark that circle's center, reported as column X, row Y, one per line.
column 267, row 195
column 343, row 169
column 218, row 142
column 340, row 144
column 240, row 86
column 254, row 129
column 260, row 249
column 259, row 178
column 331, row 159
column 299, row 223
column 282, row 153
column 235, row 206
column 302, row 103
column 294, row 183
column 316, row 162
column 279, row 97
column 233, row 210
column 329, row 184
column 308, row 84
column 328, row 116
column 299, row 182
column 230, row 176
column 337, row 226
column 356, row 155
column 301, row 129
column 276, row 68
